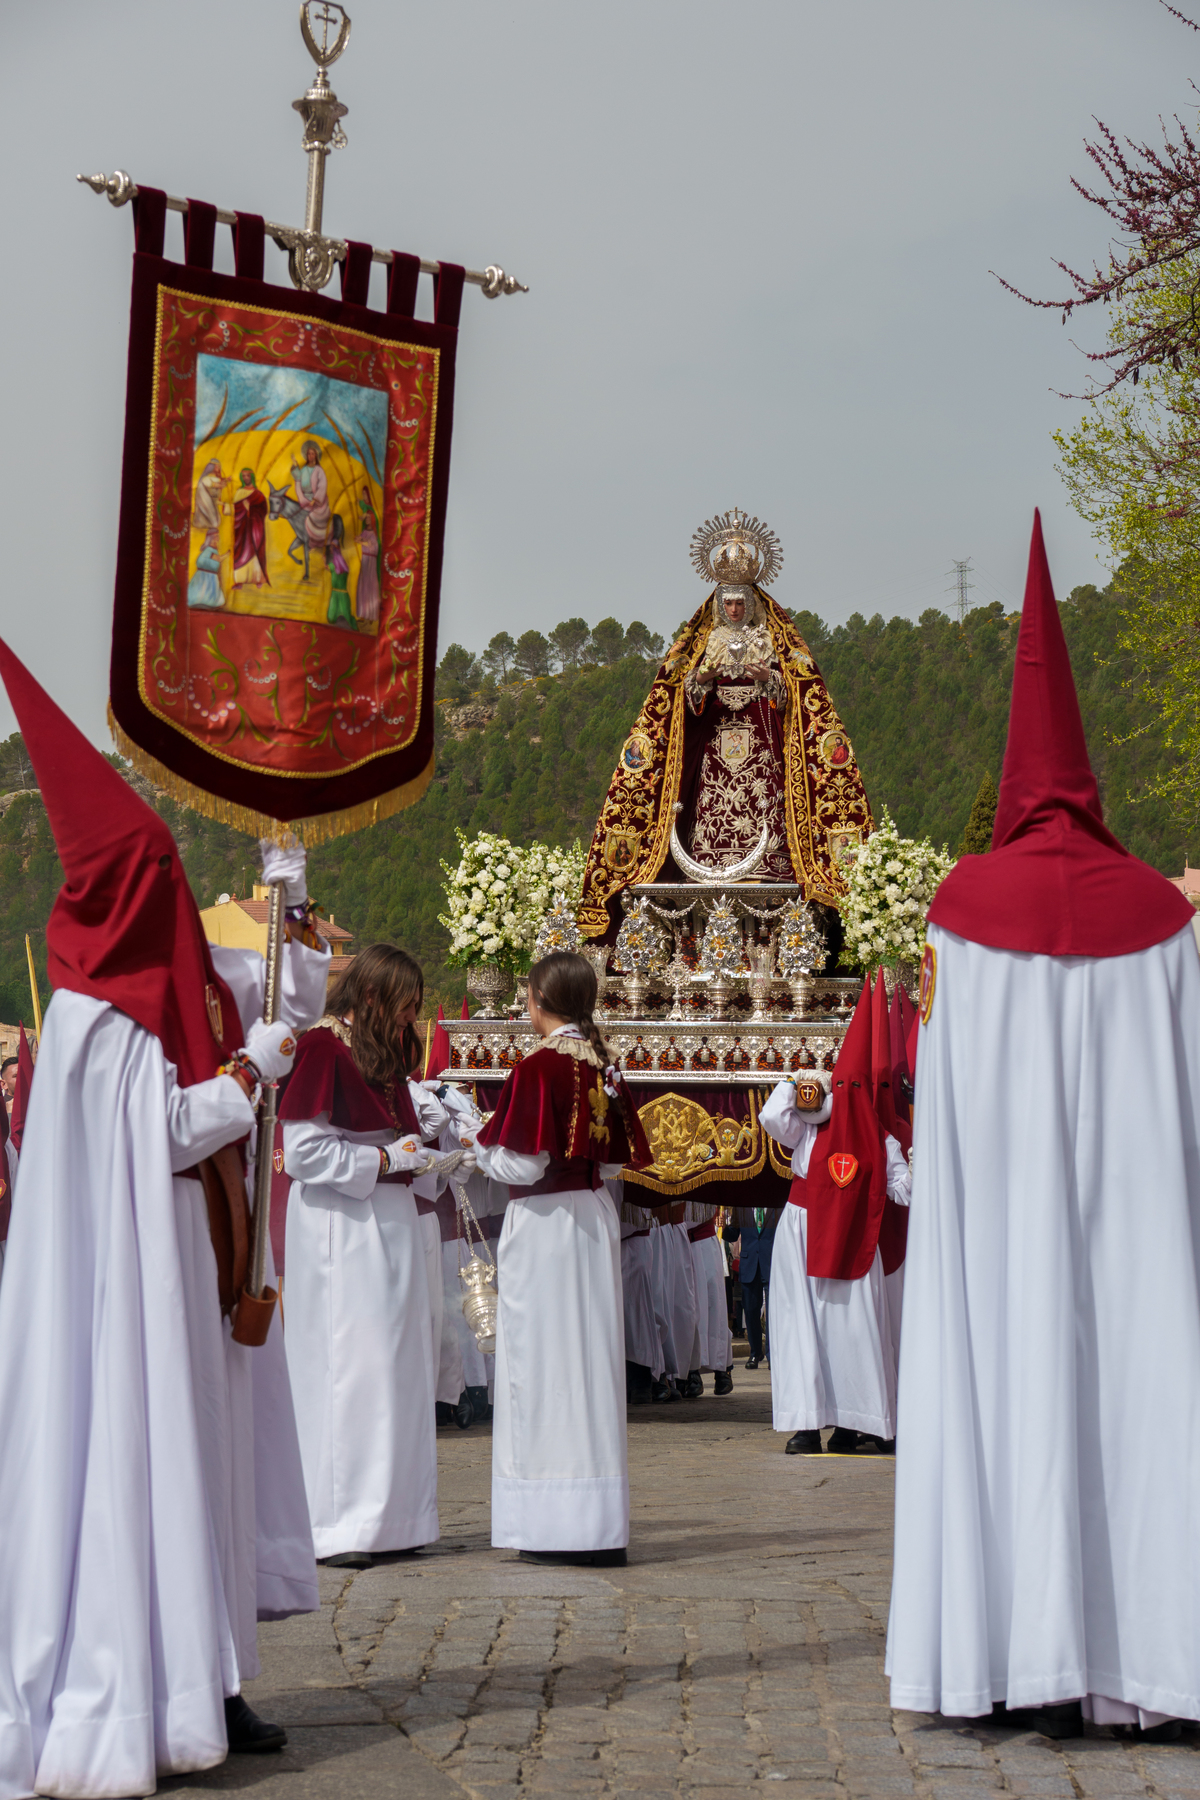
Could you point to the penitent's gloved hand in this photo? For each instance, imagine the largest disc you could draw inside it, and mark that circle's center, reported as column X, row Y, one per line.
column 288, row 864
column 407, row 1155
column 272, row 1049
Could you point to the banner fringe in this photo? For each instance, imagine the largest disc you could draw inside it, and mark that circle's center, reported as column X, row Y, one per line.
column 319, row 829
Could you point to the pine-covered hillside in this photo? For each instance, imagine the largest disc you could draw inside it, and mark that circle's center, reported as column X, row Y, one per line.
column 531, row 756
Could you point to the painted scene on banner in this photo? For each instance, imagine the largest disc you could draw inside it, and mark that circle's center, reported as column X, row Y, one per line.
column 287, row 493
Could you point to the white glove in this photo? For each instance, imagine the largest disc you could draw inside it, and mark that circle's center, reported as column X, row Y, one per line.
column 272, row 1049
column 461, row 1107
column 287, row 864
column 407, row 1155
column 467, row 1166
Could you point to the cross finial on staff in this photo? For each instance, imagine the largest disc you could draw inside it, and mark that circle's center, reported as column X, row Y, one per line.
column 331, row 13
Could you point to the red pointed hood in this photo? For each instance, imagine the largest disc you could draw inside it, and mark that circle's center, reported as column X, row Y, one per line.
column 1056, row 881
column 881, row 1058
column 437, row 1060
column 902, row 1087
column 16, row 1127
column 125, row 927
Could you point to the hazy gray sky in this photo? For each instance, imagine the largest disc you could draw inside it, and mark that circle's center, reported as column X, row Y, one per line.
column 758, row 239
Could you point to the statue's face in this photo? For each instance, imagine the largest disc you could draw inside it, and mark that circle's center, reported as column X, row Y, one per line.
column 735, row 608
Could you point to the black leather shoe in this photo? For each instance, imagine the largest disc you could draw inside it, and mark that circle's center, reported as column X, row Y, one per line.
column 804, row 1443
column 1167, row 1733
column 662, row 1390
column 443, row 1412
column 723, row 1381
column 752, row 1362
column 481, row 1406
column 843, row 1442
column 693, row 1387
column 1064, row 1720
column 885, row 1446
column 248, row 1734
column 577, row 1559
column 348, row 1559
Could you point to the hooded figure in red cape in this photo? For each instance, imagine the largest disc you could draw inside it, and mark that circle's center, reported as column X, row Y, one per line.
column 833, row 1288
column 132, row 1562
column 1049, row 1408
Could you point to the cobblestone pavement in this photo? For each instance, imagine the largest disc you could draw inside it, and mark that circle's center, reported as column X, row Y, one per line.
column 742, row 1645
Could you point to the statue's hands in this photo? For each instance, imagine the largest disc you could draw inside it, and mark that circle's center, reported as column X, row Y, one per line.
column 706, row 675
column 758, row 671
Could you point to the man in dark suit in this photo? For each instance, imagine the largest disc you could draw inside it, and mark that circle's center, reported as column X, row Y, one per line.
column 754, row 1277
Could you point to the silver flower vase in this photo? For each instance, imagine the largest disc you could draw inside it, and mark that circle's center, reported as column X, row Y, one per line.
column 488, row 984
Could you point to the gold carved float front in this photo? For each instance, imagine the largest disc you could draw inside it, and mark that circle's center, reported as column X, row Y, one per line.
column 692, row 1146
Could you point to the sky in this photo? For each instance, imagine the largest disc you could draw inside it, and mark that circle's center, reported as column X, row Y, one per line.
column 758, row 239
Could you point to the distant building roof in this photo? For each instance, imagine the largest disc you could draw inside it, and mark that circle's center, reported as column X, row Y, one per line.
column 243, row 923
column 257, row 910
column 1188, row 883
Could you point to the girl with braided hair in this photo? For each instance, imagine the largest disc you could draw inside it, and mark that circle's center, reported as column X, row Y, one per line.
column 564, row 1121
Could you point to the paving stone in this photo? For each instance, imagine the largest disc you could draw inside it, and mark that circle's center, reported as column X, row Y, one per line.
column 739, row 1654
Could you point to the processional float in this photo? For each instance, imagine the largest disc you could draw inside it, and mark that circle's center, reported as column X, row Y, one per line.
column 709, row 920
column 274, row 651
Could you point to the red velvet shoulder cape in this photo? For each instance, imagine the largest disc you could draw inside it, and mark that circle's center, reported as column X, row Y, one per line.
column 557, row 1102
column 326, row 1079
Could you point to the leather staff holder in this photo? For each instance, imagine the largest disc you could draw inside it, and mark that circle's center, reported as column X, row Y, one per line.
column 224, row 1184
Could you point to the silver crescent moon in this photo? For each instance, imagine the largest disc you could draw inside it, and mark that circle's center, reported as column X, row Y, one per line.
column 738, row 871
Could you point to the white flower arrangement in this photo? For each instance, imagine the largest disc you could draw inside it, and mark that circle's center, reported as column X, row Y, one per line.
column 497, row 896
column 892, row 882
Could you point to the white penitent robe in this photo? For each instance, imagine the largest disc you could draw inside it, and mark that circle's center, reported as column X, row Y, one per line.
column 660, row 1287
column 560, row 1473
column 359, row 1343
column 267, row 1549
column 685, row 1313
column 1048, row 1455
column 642, row 1342
column 712, row 1307
column 115, row 1490
column 832, row 1351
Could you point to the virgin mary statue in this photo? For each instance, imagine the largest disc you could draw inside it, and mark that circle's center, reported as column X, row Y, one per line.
column 738, row 761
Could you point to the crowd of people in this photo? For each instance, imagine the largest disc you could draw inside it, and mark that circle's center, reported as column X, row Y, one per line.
column 175, row 1462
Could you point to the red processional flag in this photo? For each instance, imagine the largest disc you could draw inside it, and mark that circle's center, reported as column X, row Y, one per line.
column 283, row 500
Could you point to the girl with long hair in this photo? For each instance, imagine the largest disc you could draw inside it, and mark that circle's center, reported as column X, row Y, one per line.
column 564, row 1121
column 358, row 1336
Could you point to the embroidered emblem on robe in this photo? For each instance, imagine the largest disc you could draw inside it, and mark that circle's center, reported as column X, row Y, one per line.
column 928, row 983
column 843, row 1167
column 735, row 745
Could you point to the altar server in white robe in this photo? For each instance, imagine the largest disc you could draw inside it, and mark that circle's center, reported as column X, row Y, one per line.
column 564, row 1120
column 712, row 1311
column 433, row 1120
column 663, row 1388
column 359, row 1335
column 125, row 1581
column 460, row 1349
column 643, row 1346
column 684, row 1304
column 832, row 1356
column 268, row 1476
column 1049, row 1451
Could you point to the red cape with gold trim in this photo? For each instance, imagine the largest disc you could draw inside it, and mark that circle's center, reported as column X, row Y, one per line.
column 826, row 803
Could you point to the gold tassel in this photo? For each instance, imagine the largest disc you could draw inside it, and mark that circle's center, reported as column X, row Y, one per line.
column 641, row 1178
column 313, row 831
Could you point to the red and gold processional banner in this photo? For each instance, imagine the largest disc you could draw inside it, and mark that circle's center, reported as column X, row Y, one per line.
column 282, row 511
